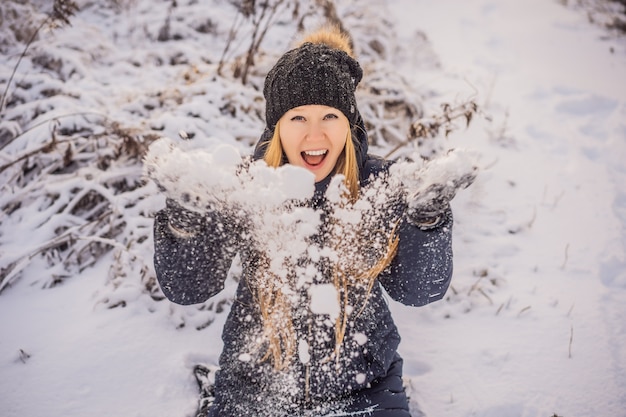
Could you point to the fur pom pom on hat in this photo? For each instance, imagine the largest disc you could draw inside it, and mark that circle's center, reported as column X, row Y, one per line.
column 319, row 71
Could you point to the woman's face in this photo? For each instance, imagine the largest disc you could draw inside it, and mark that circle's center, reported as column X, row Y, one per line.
column 313, row 137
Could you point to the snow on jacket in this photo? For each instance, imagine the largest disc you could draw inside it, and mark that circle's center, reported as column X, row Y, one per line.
column 192, row 269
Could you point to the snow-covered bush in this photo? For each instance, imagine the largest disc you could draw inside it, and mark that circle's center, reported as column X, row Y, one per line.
column 608, row 13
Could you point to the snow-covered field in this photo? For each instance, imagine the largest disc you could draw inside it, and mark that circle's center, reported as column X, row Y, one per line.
column 535, row 322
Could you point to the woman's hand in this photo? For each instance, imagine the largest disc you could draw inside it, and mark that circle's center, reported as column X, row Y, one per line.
column 183, row 222
column 200, row 177
column 430, row 186
column 427, row 208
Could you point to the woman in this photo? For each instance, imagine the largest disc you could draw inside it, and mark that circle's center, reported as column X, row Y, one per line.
column 314, row 337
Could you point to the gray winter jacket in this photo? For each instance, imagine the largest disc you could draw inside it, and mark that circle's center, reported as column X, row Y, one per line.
column 191, row 270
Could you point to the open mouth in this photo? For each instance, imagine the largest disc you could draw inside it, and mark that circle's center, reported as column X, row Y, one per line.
column 314, row 158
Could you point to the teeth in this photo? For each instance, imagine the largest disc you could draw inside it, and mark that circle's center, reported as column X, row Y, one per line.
column 314, row 153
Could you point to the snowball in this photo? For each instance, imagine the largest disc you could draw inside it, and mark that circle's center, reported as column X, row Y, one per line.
column 226, row 156
column 360, row 338
column 336, row 189
column 303, row 351
column 297, row 183
column 347, row 216
column 324, row 300
column 360, row 378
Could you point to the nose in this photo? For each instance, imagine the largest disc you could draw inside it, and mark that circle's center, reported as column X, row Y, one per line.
column 316, row 131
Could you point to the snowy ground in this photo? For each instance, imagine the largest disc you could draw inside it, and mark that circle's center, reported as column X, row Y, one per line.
column 535, row 324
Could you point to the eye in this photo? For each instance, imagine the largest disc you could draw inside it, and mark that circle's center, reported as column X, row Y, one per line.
column 331, row 116
column 297, row 118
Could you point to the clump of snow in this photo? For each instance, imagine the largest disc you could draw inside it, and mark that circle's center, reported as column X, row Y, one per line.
column 424, row 180
column 360, row 338
column 360, row 378
column 205, row 179
column 324, row 300
column 197, row 178
column 303, row 351
column 245, row 357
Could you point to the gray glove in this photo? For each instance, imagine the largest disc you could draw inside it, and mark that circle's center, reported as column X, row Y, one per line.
column 431, row 185
column 184, row 222
column 428, row 208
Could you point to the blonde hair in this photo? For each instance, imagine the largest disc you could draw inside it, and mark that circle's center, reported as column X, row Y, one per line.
column 274, row 305
column 347, row 275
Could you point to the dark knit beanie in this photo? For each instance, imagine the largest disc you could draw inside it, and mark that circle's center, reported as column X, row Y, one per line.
column 312, row 74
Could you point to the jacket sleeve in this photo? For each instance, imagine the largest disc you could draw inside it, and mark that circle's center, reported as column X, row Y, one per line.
column 421, row 271
column 192, row 269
